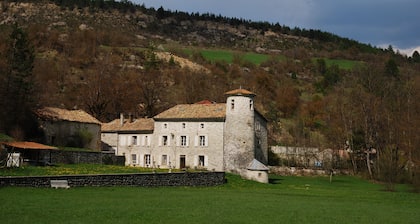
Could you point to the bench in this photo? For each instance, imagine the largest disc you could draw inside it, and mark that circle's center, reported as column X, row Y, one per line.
column 60, row 184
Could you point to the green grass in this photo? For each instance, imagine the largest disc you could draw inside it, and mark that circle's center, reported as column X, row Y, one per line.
column 5, row 138
column 229, row 56
column 286, row 200
column 71, row 169
column 218, row 55
column 341, row 63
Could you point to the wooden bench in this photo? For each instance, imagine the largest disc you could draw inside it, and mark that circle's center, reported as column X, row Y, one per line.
column 60, row 184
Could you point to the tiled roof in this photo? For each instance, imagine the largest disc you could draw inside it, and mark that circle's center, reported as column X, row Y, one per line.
column 57, row 114
column 137, row 125
column 28, row 145
column 240, row 92
column 212, row 111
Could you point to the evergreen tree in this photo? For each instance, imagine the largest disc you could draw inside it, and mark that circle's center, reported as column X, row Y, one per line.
column 18, row 85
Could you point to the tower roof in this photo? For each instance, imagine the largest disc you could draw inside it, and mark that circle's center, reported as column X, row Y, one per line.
column 240, row 92
column 257, row 165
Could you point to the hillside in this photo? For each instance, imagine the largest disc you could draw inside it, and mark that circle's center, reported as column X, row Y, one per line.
column 315, row 88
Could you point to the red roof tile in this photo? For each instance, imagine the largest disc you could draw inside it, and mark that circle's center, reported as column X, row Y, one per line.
column 28, row 145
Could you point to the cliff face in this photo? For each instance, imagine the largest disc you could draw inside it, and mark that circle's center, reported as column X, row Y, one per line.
column 141, row 24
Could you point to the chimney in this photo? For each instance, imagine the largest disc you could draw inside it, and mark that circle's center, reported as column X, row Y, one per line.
column 130, row 118
column 121, row 119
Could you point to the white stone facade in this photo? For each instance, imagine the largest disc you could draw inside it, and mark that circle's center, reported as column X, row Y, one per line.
column 210, row 136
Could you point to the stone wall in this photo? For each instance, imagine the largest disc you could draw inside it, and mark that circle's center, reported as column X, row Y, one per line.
column 142, row 180
column 77, row 157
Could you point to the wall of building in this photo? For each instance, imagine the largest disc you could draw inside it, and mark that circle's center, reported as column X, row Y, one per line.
column 111, row 141
column 134, row 145
column 261, row 139
column 65, row 133
column 143, row 180
column 211, row 150
column 239, row 133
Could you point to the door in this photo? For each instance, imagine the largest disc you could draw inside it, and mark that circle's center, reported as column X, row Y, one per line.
column 182, row 161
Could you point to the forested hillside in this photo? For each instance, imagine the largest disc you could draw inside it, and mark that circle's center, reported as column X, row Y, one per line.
column 315, row 88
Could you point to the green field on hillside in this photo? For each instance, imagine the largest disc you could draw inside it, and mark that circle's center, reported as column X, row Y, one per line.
column 227, row 56
column 285, row 200
column 341, row 63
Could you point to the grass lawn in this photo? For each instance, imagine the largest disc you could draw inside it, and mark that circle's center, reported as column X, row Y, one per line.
column 285, row 200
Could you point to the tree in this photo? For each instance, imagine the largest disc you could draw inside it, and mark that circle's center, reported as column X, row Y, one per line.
column 17, row 96
column 391, row 68
column 416, row 57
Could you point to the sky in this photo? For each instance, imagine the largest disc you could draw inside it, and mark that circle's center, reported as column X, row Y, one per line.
column 377, row 22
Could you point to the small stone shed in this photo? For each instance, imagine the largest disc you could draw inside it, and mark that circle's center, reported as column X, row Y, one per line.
column 70, row 128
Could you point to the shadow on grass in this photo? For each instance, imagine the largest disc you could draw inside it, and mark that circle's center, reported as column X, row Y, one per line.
column 275, row 180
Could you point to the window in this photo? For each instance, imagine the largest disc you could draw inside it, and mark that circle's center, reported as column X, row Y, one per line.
column 165, row 125
column 183, row 140
column 201, row 161
column 147, row 160
column 133, row 159
column 146, row 140
column 251, row 104
column 201, row 125
column 183, row 125
column 133, row 140
column 165, row 140
column 232, row 104
column 164, row 161
column 202, row 140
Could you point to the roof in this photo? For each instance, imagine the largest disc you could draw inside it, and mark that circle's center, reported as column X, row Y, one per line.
column 213, row 111
column 240, row 92
column 29, row 145
column 257, row 165
column 137, row 125
column 58, row 114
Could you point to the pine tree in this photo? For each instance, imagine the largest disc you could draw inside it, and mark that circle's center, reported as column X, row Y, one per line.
column 18, row 85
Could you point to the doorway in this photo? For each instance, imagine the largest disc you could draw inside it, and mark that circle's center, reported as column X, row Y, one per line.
column 182, row 161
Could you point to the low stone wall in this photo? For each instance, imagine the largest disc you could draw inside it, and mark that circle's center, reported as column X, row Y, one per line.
column 142, row 179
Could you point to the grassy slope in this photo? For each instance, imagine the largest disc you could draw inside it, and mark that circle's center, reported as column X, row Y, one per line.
column 228, row 56
column 287, row 200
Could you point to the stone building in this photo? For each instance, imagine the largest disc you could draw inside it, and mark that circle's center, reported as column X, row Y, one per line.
column 229, row 136
column 71, row 128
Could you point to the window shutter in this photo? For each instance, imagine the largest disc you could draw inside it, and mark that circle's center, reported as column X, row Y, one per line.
column 196, row 140
column 188, row 140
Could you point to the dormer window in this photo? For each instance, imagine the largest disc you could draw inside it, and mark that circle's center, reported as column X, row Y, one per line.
column 232, row 104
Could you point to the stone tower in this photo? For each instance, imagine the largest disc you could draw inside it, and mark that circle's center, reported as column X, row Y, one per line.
column 239, row 137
